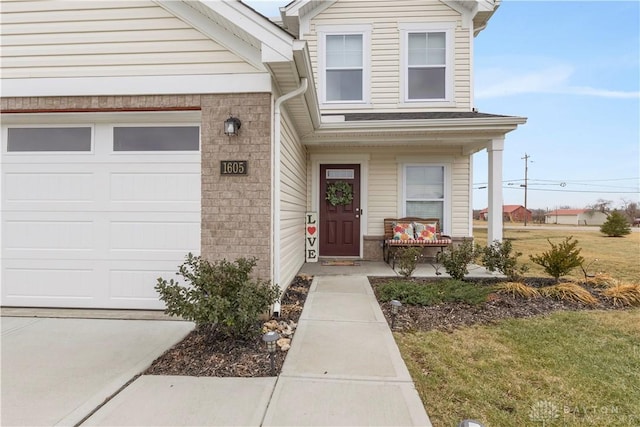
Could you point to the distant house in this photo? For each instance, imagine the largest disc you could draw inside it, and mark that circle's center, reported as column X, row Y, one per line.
column 511, row 213
column 575, row 217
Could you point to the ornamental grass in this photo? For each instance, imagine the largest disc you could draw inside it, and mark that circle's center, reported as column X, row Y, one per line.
column 569, row 292
column 602, row 280
column 624, row 294
column 517, row 289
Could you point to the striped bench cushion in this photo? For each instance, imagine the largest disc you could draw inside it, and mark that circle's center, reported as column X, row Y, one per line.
column 415, row 242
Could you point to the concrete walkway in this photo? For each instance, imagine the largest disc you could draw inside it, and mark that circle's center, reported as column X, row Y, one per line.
column 343, row 369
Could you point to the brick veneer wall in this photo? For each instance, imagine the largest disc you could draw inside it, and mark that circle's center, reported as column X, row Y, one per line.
column 236, row 210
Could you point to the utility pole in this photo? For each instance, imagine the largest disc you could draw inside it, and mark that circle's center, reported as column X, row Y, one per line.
column 526, row 174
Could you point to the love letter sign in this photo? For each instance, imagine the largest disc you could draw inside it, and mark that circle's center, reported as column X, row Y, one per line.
column 311, row 237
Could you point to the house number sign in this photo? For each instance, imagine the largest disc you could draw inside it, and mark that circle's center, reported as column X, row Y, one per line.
column 233, row 167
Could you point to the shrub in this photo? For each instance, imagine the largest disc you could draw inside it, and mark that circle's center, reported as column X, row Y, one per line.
column 569, row 292
column 616, row 225
column 425, row 294
column 499, row 256
column 560, row 259
column 220, row 295
column 456, row 260
column 517, row 289
column 408, row 260
column 585, row 269
column 625, row 294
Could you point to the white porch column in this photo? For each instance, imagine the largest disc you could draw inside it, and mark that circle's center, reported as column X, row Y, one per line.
column 494, row 231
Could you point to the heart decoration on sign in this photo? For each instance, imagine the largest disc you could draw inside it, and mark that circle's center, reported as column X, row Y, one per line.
column 311, row 230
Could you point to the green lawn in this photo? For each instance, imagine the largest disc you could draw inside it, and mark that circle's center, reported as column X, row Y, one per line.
column 566, row 369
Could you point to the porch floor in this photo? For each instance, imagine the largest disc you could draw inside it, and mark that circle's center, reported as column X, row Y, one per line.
column 382, row 269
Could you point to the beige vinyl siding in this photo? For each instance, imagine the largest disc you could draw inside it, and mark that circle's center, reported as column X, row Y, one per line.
column 44, row 39
column 460, row 202
column 383, row 190
column 383, row 186
column 385, row 46
column 293, row 199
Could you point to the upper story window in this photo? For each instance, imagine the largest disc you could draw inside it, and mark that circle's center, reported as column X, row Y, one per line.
column 427, row 62
column 344, row 65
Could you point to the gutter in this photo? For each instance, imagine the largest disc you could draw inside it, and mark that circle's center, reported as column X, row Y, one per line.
column 304, row 85
column 423, row 123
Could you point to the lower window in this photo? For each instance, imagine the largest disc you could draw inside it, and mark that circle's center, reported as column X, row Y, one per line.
column 424, row 191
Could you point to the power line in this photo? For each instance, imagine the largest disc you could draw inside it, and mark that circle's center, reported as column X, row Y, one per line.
column 567, row 180
column 577, row 191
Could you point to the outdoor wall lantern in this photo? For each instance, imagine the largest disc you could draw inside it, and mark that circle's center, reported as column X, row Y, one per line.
column 232, row 126
column 395, row 307
column 270, row 339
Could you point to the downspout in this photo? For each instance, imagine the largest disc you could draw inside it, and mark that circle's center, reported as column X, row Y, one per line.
column 304, row 84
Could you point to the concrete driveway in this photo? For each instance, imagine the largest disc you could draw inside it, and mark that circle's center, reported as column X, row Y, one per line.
column 57, row 371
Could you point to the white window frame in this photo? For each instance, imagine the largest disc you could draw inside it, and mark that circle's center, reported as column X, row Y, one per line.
column 5, row 139
column 115, row 152
column 445, row 27
column 339, row 30
column 445, row 226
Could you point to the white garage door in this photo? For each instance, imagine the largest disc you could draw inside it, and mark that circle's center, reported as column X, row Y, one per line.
column 93, row 213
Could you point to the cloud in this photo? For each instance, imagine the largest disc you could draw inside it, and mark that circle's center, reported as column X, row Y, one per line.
column 552, row 79
column 603, row 93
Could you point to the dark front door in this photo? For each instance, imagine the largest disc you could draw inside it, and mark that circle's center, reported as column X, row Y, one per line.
column 339, row 224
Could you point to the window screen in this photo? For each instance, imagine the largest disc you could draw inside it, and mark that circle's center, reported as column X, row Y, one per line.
column 49, row 139
column 156, row 138
column 344, row 67
column 424, row 191
column 426, row 65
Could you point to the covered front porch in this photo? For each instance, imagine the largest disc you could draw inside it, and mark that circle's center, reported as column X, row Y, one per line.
column 382, row 269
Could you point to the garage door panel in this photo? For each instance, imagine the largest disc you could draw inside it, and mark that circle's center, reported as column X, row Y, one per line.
column 136, row 287
column 155, row 236
column 127, row 161
column 132, row 283
column 152, row 207
column 155, row 187
column 30, row 235
column 59, row 186
column 46, row 281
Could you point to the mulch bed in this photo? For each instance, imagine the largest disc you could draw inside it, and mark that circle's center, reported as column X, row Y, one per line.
column 204, row 353
column 450, row 316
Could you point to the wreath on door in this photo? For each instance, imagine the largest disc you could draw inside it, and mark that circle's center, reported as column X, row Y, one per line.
column 339, row 193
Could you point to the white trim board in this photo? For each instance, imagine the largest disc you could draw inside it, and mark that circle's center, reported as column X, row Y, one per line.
column 137, row 85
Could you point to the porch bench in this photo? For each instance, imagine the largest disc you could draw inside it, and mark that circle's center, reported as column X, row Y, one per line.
column 391, row 245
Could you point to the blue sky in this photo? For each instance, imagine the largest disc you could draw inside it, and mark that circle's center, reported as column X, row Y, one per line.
column 573, row 69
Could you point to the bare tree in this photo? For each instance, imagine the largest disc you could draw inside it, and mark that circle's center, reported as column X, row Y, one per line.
column 630, row 210
column 538, row 215
column 601, row 205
